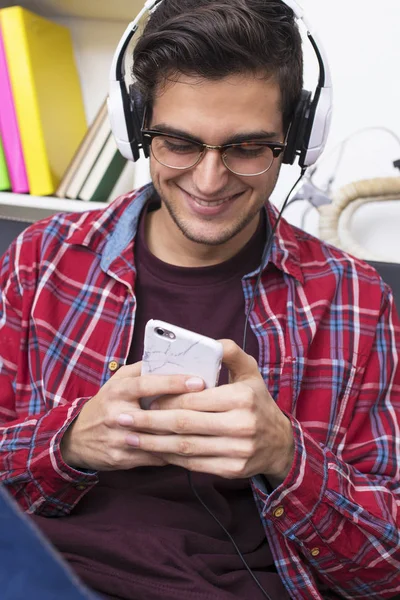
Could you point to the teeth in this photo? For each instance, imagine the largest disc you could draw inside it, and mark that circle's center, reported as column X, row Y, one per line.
column 216, row 203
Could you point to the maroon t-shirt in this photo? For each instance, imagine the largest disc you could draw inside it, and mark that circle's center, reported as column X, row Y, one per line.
column 142, row 534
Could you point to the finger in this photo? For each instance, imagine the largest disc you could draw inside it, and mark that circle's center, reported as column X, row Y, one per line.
column 228, row 468
column 115, row 454
column 220, row 399
column 168, row 384
column 190, row 446
column 160, row 385
column 134, row 388
column 231, row 424
column 240, row 365
column 137, row 458
column 133, row 370
column 131, row 390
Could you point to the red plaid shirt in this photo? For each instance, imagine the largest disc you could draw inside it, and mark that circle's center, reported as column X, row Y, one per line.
column 329, row 340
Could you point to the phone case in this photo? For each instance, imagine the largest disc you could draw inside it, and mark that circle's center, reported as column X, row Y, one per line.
column 188, row 353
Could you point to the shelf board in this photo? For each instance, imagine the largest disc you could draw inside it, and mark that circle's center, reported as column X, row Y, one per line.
column 24, row 206
column 118, row 10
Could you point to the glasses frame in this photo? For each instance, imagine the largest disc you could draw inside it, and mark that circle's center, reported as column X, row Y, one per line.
column 276, row 147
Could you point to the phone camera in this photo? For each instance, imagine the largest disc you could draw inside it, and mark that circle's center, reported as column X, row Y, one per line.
column 165, row 333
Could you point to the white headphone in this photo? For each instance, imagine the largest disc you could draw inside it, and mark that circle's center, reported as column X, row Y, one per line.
column 308, row 131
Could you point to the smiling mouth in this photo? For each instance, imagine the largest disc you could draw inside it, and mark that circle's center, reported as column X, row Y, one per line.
column 214, row 202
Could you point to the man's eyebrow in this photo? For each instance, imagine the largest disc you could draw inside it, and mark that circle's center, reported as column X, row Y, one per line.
column 253, row 135
column 237, row 138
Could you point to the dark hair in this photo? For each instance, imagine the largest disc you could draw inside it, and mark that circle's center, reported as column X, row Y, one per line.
column 217, row 38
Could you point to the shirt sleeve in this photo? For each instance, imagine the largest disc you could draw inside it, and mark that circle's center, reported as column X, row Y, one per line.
column 31, row 464
column 339, row 506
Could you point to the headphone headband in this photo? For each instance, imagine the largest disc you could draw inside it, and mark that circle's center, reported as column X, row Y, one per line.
column 308, row 130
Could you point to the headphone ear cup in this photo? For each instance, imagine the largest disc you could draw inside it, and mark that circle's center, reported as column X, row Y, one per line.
column 119, row 111
column 137, row 116
column 295, row 140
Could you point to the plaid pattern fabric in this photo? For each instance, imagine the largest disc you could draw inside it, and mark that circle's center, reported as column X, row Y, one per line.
column 329, row 341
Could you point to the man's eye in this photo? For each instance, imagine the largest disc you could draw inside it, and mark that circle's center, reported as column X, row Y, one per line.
column 248, row 151
column 179, row 146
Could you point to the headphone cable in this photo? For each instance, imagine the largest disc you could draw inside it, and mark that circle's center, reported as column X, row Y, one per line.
column 265, row 255
column 228, row 536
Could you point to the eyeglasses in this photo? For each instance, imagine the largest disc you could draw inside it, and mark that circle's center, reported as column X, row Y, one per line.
column 245, row 158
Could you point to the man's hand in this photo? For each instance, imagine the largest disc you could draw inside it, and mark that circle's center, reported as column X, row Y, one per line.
column 96, row 440
column 233, row 431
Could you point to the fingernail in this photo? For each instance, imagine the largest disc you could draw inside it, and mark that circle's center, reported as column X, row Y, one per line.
column 125, row 420
column 194, row 383
column 132, row 440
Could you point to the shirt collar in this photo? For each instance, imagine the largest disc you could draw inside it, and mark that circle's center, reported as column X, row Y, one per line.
column 285, row 251
column 111, row 231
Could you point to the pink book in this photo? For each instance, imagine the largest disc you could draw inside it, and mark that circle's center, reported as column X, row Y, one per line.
column 9, row 131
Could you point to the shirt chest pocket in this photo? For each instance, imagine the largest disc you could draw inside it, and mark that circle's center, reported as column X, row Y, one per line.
column 321, row 394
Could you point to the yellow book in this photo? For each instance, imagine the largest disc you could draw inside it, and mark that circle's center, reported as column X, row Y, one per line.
column 47, row 95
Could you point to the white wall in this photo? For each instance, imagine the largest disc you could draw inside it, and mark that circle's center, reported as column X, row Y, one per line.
column 361, row 39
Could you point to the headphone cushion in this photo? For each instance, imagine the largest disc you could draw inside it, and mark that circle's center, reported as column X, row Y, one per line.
column 295, row 140
column 137, row 110
column 137, row 104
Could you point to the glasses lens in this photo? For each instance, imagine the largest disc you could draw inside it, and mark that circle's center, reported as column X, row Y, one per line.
column 248, row 159
column 176, row 153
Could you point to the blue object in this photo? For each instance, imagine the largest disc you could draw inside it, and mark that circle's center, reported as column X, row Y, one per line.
column 29, row 566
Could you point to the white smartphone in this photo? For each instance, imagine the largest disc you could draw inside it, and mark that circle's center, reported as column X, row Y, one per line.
column 171, row 350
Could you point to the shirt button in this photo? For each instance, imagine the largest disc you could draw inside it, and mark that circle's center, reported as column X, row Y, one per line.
column 80, row 487
column 315, row 552
column 278, row 512
column 113, row 366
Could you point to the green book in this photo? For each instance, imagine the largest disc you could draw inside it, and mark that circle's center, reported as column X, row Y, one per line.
column 104, row 174
column 4, row 178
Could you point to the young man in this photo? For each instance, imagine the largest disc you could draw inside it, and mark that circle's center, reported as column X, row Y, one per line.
column 296, row 452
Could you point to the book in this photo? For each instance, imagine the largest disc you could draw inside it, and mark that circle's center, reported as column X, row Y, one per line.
column 85, row 149
column 4, row 178
column 47, row 95
column 105, row 173
column 86, row 156
column 9, row 131
column 126, row 182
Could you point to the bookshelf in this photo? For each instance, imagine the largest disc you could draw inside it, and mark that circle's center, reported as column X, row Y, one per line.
column 34, row 208
column 104, row 10
column 96, row 27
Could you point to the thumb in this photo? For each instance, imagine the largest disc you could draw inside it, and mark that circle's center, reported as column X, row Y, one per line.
column 133, row 370
column 240, row 365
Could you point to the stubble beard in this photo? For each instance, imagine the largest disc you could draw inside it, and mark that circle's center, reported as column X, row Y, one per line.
column 223, row 236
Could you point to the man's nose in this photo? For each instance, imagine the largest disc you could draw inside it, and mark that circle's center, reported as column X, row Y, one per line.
column 210, row 175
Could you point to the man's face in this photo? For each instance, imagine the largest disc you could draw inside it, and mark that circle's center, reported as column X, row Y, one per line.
column 208, row 204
